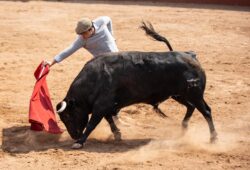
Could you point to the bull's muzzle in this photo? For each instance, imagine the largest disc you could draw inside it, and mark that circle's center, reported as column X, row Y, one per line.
column 63, row 107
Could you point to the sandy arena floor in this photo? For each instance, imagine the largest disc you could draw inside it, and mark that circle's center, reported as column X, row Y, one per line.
column 37, row 30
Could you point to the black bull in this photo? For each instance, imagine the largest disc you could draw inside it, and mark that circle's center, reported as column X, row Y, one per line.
column 115, row 80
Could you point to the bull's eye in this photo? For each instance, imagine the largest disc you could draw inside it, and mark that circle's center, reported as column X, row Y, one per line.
column 65, row 117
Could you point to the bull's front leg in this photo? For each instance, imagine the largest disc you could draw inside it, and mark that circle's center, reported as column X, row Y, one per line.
column 116, row 131
column 93, row 122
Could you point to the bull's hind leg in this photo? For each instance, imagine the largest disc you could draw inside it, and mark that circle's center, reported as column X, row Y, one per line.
column 189, row 113
column 202, row 106
column 116, row 131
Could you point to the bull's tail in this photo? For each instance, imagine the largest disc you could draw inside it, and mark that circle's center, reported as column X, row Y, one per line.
column 150, row 31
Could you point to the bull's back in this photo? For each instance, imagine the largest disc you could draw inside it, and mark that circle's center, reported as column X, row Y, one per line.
column 141, row 76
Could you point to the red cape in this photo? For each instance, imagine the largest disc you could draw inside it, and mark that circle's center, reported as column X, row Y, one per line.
column 41, row 112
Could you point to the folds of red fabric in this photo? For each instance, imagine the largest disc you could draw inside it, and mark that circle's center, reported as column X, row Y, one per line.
column 41, row 112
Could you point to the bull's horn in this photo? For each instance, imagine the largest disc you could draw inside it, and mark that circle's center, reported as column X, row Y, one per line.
column 63, row 106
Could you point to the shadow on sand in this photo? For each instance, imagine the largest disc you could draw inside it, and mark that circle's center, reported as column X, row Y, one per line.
column 20, row 139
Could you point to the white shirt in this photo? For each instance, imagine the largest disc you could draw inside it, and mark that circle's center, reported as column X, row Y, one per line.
column 101, row 41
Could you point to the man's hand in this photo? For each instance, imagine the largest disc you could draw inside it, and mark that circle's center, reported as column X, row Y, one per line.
column 49, row 63
column 45, row 63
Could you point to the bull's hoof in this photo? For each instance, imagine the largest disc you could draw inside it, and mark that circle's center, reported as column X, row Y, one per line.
column 214, row 137
column 77, row 146
column 184, row 125
column 118, row 136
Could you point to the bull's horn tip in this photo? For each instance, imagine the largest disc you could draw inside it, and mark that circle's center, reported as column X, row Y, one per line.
column 63, row 106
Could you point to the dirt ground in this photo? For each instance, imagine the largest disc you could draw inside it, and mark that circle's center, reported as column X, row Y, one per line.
column 37, row 30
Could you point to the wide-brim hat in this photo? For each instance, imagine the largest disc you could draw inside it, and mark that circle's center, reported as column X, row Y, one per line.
column 83, row 25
